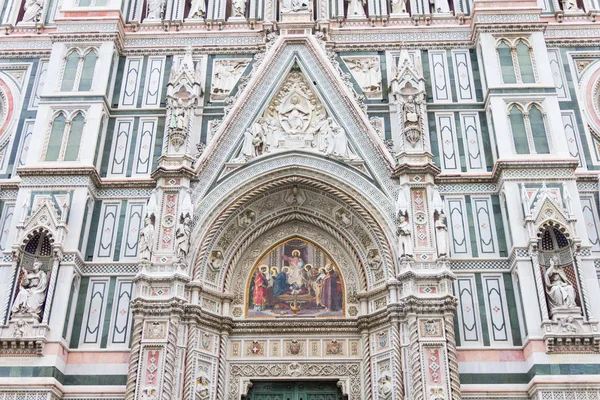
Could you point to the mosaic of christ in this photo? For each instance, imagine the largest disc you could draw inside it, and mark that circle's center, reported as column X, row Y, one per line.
column 295, row 279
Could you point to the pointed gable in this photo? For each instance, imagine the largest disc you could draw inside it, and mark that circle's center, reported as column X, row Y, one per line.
column 305, row 55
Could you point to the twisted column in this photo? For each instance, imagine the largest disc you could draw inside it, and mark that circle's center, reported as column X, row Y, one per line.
column 584, row 293
column 397, row 361
column 366, row 364
column 452, row 358
column 51, row 285
column 136, row 338
column 189, row 379
column 224, row 339
column 415, row 359
column 539, row 283
column 168, row 382
column 13, row 280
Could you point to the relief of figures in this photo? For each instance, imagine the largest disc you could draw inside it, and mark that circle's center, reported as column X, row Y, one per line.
column 226, row 74
column 367, row 72
column 295, row 119
column 295, row 279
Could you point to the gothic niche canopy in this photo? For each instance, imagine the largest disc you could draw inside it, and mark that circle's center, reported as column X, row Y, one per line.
column 295, row 119
column 295, row 279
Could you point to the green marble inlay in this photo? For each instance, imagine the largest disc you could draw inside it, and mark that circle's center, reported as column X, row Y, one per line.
column 108, row 313
column 79, row 312
column 482, row 311
column 512, row 309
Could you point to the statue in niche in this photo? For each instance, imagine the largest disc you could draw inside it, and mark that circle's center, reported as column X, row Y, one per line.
column 570, row 5
column 399, row 6
column 238, row 8
column 182, row 236
column 356, row 8
column 178, row 116
column 32, row 291
column 561, row 293
column 197, row 9
column 441, row 235
column 146, row 239
column 33, row 11
column 439, row 6
column 367, row 73
column 294, row 5
column 156, row 9
column 411, row 110
column 404, row 232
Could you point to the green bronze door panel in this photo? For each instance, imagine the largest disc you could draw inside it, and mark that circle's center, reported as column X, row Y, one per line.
column 294, row 391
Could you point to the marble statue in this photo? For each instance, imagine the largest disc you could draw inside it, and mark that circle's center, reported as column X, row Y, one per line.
column 178, row 117
column 399, row 7
column 338, row 145
column 182, row 237
column 32, row 291
column 439, row 6
column 401, row 204
column 374, row 259
column 324, row 134
column 411, row 112
column 356, row 8
column 238, row 8
column 215, row 261
column 560, row 291
column 155, row 9
column 441, row 235
column 405, row 245
column 146, row 239
column 33, row 10
column 197, row 9
column 384, row 386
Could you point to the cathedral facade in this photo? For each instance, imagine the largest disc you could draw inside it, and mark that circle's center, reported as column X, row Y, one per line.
column 299, row 199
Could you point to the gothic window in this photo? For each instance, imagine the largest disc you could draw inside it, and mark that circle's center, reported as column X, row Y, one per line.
column 64, row 139
column 516, row 61
column 530, row 135
column 78, row 73
column 506, row 63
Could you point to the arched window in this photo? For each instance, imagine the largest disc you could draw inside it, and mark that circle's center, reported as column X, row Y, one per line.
column 79, row 71
column 56, row 135
column 87, row 73
column 525, row 64
column 517, row 124
column 70, row 73
column 74, row 140
column 529, row 130
column 508, row 55
column 64, row 138
column 506, row 63
column 538, row 130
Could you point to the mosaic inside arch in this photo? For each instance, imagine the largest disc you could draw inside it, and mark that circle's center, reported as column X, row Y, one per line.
column 295, row 279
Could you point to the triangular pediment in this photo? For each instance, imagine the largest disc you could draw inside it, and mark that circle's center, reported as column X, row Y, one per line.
column 297, row 89
column 295, row 119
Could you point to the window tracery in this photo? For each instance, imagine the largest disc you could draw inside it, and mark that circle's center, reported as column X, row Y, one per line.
column 529, row 130
column 79, row 70
column 516, row 61
column 64, row 136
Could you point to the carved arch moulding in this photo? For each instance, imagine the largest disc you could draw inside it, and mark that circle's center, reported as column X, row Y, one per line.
column 283, row 202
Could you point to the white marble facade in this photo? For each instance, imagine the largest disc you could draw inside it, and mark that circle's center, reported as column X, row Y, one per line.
column 398, row 199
